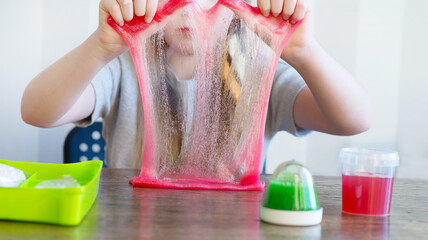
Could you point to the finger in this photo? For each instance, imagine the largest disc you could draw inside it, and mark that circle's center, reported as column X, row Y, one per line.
column 140, row 7
column 113, row 8
column 264, row 6
column 127, row 9
column 152, row 6
column 276, row 7
column 288, row 10
column 299, row 12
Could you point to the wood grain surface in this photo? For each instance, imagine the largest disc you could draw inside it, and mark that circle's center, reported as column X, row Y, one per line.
column 124, row 212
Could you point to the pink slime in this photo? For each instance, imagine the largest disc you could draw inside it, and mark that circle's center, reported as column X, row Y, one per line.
column 132, row 32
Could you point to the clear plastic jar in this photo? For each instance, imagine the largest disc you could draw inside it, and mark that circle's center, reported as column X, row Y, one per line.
column 367, row 180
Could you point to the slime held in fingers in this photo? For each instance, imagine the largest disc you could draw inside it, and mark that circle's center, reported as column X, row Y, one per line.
column 205, row 77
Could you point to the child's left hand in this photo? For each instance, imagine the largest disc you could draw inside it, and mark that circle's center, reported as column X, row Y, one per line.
column 294, row 11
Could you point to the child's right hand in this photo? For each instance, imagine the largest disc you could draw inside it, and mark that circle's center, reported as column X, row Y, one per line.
column 121, row 10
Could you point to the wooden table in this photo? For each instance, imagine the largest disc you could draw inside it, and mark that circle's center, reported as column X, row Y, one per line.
column 124, row 212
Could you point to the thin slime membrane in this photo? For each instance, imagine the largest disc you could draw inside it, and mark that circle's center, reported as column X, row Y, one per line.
column 205, row 77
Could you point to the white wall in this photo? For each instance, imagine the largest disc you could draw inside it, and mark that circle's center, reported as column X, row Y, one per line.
column 383, row 43
column 35, row 34
column 412, row 140
column 20, row 60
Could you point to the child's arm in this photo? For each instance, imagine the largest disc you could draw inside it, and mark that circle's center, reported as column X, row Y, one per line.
column 62, row 93
column 333, row 102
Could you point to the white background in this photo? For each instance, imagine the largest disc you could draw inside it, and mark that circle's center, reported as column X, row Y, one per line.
column 382, row 42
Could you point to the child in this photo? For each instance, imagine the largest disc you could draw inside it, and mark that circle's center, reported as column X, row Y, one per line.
column 316, row 93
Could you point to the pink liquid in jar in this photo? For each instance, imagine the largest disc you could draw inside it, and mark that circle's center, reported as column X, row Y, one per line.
column 366, row 193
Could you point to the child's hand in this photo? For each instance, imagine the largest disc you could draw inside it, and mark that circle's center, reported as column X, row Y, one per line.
column 121, row 11
column 293, row 10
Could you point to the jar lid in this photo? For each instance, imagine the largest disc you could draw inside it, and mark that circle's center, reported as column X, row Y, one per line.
column 366, row 156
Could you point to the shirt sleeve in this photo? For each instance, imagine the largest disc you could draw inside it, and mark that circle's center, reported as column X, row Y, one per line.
column 287, row 84
column 106, row 85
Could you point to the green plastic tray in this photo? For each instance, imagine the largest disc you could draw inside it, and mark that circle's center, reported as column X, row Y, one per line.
column 62, row 206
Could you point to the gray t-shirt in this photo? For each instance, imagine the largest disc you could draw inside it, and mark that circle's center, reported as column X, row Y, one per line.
column 118, row 103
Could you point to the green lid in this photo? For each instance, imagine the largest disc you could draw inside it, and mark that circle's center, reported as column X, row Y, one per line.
column 291, row 188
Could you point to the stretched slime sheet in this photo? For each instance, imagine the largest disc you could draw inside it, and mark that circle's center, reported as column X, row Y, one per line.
column 205, row 77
